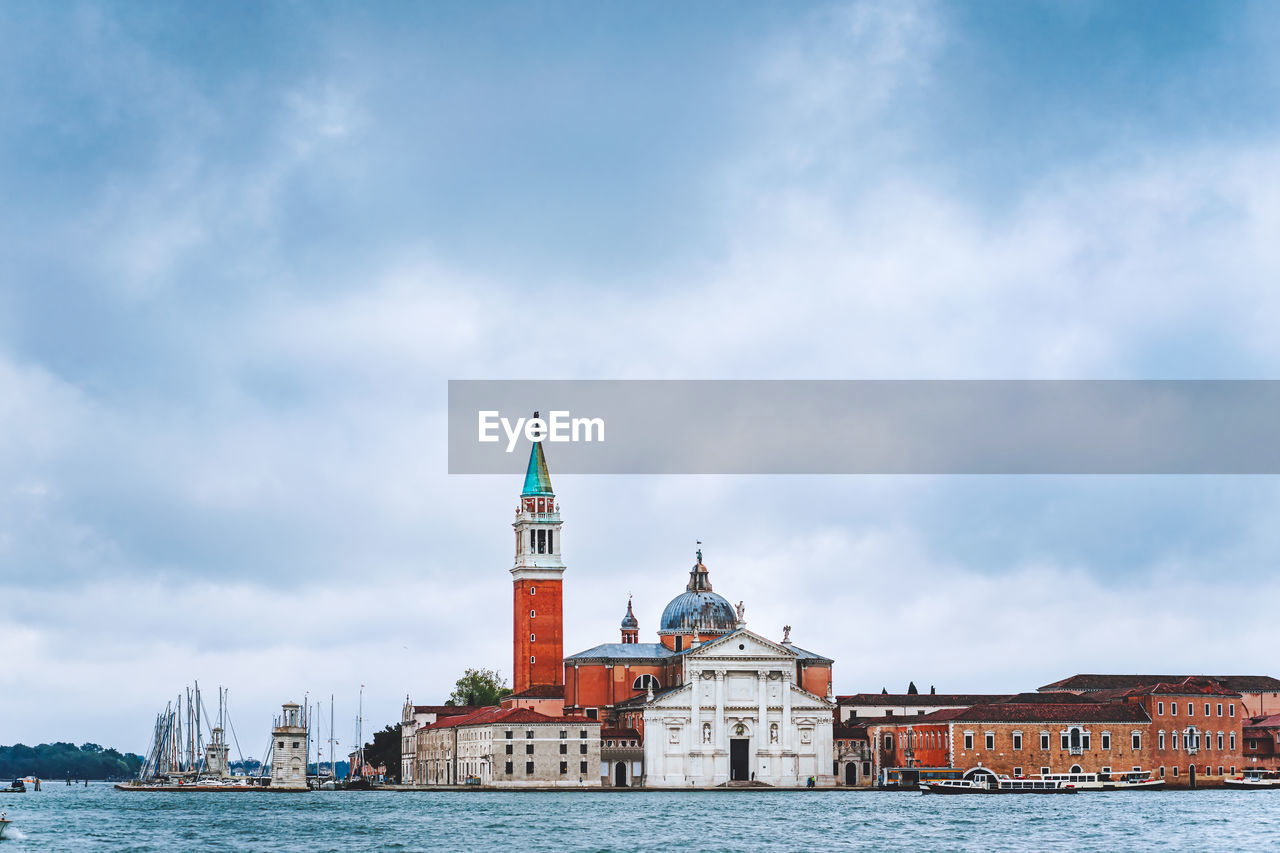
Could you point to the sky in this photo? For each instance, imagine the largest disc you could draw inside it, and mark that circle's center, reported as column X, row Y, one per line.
column 245, row 246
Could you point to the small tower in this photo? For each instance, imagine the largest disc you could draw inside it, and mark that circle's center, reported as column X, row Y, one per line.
column 630, row 626
column 215, row 755
column 538, row 650
column 289, row 749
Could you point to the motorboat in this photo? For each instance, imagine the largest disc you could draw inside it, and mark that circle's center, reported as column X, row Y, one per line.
column 998, row 785
column 1254, row 780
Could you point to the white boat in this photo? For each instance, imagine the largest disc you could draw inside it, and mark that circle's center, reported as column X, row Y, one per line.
column 1131, row 780
column 1253, row 780
column 997, row 785
column 4, row 824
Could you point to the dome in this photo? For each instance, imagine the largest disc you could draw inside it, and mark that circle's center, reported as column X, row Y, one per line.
column 703, row 610
column 629, row 621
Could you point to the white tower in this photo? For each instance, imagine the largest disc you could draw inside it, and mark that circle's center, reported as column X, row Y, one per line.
column 289, row 749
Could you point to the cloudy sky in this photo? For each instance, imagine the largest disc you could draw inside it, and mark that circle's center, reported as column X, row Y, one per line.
column 245, row 247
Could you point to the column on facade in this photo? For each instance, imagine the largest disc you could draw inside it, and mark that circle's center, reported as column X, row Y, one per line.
column 695, row 705
column 785, row 734
column 719, row 722
column 762, row 724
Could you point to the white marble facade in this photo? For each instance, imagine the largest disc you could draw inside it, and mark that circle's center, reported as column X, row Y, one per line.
column 739, row 717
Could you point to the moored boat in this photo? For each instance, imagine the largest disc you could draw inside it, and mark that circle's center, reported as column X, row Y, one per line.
column 1131, row 780
column 1254, row 780
column 997, row 785
column 18, row 786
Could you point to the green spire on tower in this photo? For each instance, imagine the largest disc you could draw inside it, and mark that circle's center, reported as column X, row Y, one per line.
column 537, row 479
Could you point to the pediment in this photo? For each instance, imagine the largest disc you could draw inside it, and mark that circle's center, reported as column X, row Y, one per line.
column 739, row 644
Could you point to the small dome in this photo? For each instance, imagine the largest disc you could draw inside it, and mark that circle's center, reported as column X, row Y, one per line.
column 629, row 621
column 703, row 610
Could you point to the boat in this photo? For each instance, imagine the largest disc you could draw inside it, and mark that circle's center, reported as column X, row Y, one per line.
column 4, row 824
column 17, row 786
column 997, row 785
column 1127, row 781
column 186, row 787
column 1254, row 780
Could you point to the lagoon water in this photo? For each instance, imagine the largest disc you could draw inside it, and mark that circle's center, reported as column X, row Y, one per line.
column 101, row 818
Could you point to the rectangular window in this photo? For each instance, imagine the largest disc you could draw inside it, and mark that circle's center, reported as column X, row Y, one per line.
column 1219, row 741
column 1017, row 771
column 1137, row 741
column 1066, row 741
column 582, row 767
column 582, row 748
column 1044, row 740
column 1220, row 773
column 1173, row 711
column 564, row 767
column 1231, row 710
column 1191, row 709
column 509, row 749
column 583, row 733
column 991, row 741
column 888, row 741
column 1044, row 771
column 968, row 741
column 528, row 768
column 528, row 733
column 1160, row 709
column 1106, row 740
column 509, row 733
column 1017, row 741
column 1233, row 770
column 1233, row 741
column 1175, row 772
column 1161, row 738
column 528, row 749
column 564, row 749
column 1219, row 709
column 564, row 733
column 280, row 744
column 1084, row 740
column 508, row 768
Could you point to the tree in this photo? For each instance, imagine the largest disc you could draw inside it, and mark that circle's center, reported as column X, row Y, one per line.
column 911, row 689
column 478, row 687
column 385, row 750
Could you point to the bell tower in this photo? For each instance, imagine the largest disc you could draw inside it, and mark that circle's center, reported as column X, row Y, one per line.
column 537, row 576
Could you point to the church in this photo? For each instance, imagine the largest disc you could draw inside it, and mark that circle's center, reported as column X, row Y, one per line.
column 710, row 703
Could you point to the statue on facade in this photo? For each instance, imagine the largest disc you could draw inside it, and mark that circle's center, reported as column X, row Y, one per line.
column 786, row 634
column 742, row 612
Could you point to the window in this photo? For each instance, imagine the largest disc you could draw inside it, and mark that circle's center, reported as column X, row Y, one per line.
column 991, row 741
column 582, row 747
column 1233, row 770
column 1175, row 771
column 1219, row 741
column 528, row 749
column 1206, row 709
column 1106, row 740
column 1017, row 742
column 644, row 682
column 1232, row 741
column 533, row 590
column 582, row 767
column 1160, row 709
column 1219, row 709
column 679, row 644
column 1191, row 709
column 1017, row 771
column 1161, row 771
column 509, row 749
column 295, row 744
column 1044, row 740
column 1173, row 711
column 563, row 734
column 968, row 741
column 564, row 749
column 508, row 734
column 1137, row 741
column 280, row 744
column 1044, row 771
column 532, row 659
column 528, row 734
column 1160, row 736
column 583, row 733
column 888, row 741
column 592, row 714
column 528, row 768
column 1231, row 710
column 508, row 768
column 533, row 638
column 1066, row 741
column 1220, row 773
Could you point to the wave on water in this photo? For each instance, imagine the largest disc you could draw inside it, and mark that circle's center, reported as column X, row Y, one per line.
column 15, row 835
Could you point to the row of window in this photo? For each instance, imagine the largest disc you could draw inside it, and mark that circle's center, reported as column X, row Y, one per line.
column 528, row 767
column 1074, row 739
column 1191, row 709
column 528, row 733
column 1208, row 770
column 564, row 748
column 1196, row 740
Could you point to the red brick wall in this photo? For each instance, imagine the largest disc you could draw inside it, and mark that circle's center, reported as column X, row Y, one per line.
column 543, row 597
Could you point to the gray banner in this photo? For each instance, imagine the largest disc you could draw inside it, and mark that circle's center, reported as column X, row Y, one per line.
column 870, row 427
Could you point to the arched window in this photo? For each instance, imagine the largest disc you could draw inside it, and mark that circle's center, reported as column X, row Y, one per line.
column 644, row 682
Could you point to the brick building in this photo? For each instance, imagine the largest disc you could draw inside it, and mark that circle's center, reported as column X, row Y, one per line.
column 864, row 706
column 1261, row 737
column 1259, row 694
column 1196, row 728
column 413, row 717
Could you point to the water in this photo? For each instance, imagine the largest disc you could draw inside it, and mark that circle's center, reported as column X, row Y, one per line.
column 101, row 818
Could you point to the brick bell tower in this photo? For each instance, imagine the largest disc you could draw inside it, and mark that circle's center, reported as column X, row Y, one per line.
column 537, row 576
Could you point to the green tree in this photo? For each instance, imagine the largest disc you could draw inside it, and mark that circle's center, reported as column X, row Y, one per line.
column 385, row 750
column 478, row 687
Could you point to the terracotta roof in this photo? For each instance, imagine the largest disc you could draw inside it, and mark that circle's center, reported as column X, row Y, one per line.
column 497, row 714
column 846, row 732
column 1092, row 681
column 1268, row 722
column 1187, row 687
column 919, row 699
column 451, row 710
column 620, row 733
column 539, row 691
column 1050, row 698
column 1075, row 712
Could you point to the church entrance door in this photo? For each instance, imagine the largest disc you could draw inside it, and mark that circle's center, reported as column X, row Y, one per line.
column 739, row 762
column 850, row 774
column 620, row 776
